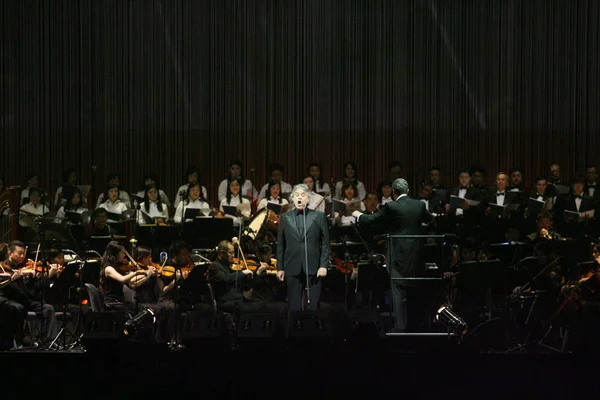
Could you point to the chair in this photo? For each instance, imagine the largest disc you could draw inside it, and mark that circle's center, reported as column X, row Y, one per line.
column 95, row 297
column 129, row 294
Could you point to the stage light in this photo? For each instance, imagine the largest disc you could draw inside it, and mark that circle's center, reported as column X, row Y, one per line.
column 135, row 324
column 451, row 320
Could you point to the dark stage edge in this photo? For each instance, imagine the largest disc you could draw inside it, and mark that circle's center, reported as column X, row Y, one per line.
column 395, row 366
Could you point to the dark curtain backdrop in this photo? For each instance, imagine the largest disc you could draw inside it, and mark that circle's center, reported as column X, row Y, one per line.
column 148, row 85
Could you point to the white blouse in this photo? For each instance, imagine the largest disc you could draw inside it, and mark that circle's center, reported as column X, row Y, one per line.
column 349, row 220
column 248, row 189
column 123, row 197
column 362, row 193
column 116, row 208
column 192, row 204
column 152, row 212
column 183, row 188
column 235, row 201
column 263, row 203
column 317, row 202
column 161, row 195
column 285, row 188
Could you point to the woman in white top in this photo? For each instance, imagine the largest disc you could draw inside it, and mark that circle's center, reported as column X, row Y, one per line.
column 74, row 202
column 150, row 179
column 317, row 202
column 192, row 174
column 113, row 204
column 193, row 200
column 235, row 171
column 234, row 198
column 34, row 207
column 152, row 209
column 114, row 179
column 384, row 192
column 274, row 196
column 350, row 171
column 345, row 218
column 320, row 186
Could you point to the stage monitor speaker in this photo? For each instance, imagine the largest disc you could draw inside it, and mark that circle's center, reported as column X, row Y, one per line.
column 209, row 331
column 257, row 325
column 309, row 325
column 365, row 326
column 104, row 329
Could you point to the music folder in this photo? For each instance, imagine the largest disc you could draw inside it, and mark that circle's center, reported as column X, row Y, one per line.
column 73, row 217
column 230, row 210
column 574, row 216
column 535, row 206
column 191, row 213
column 114, row 216
column 275, row 207
column 338, row 206
column 458, row 202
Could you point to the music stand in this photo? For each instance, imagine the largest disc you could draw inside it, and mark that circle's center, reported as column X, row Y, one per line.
column 191, row 288
column 157, row 237
column 59, row 293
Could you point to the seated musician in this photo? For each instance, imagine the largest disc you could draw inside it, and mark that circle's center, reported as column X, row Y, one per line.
column 235, row 171
column 345, row 217
column 113, row 205
column 193, row 200
column 56, row 265
column 152, row 210
column 265, row 287
column 21, row 290
column 12, row 314
column 100, row 227
column 192, row 174
column 234, row 199
column 35, row 207
column 114, row 180
column 150, row 179
column 114, row 275
column 148, row 289
column 371, row 203
column 73, row 203
column 228, row 285
column 317, row 202
column 544, row 231
column 350, row 172
column 274, row 196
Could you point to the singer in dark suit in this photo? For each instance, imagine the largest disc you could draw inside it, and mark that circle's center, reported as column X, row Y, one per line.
column 302, row 250
column 403, row 216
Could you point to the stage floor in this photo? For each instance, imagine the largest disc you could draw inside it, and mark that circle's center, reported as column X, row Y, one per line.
column 394, row 366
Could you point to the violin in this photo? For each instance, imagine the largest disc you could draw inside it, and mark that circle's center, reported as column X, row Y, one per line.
column 344, row 267
column 248, row 263
column 126, row 267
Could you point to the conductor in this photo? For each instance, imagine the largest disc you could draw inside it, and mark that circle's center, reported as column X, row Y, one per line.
column 403, row 216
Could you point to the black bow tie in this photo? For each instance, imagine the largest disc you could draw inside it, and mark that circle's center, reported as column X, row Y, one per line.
column 500, row 193
column 579, row 197
column 300, row 212
column 463, row 187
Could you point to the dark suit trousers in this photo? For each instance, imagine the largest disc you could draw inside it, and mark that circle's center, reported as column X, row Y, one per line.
column 12, row 318
column 295, row 286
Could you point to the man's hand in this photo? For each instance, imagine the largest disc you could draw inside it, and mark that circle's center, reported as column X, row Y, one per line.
column 263, row 267
column 356, row 213
column 321, row 272
column 246, row 271
column 281, row 275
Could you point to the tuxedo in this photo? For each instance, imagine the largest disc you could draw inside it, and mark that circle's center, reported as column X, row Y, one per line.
column 569, row 203
column 401, row 217
column 592, row 190
column 294, row 250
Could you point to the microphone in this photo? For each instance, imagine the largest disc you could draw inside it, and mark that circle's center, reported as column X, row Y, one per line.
column 163, row 256
column 182, row 193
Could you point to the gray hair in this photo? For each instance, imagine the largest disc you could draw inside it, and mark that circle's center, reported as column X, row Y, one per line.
column 300, row 186
column 400, row 186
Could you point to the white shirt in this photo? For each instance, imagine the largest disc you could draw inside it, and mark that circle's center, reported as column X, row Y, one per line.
column 263, row 203
column 116, row 208
column 317, row 202
column 152, row 212
column 193, row 204
column 325, row 189
column 161, row 195
column 285, row 188
column 184, row 188
column 578, row 203
column 385, row 200
column 235, row 201
column 362, row 193
column 348, row 220
column 248, row 189
column 500, row 199
column 461, row 193
column 123, row 197
column 592, row 189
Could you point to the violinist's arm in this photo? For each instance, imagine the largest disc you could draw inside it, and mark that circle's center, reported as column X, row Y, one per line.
column 54, row 270
column 216, row 274
column 171, row 285
column 112, row 273
column 138, row 280
column 5, row 276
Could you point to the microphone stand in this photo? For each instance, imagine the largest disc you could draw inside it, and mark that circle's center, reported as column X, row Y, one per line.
column 306, row 260
column 42, row 281
column 175, row 344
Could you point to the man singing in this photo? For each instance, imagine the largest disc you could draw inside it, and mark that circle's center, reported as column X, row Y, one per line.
column 302, row 250
column 403, row 216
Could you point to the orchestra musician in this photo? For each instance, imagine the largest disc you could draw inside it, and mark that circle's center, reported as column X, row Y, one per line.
column 114, row 275
column 403, row 216
column 302, row 250
column 12, row 314
column 21, row 294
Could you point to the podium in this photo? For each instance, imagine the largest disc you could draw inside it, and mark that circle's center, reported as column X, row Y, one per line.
column 416, row 264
